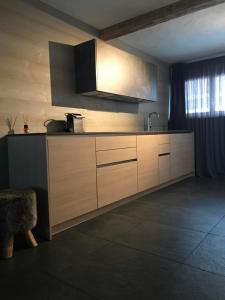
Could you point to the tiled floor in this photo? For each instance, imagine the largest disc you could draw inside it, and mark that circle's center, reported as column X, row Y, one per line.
column 167, row 245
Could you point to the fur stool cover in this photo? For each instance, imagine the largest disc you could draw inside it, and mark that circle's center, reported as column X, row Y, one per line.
column 18, row 212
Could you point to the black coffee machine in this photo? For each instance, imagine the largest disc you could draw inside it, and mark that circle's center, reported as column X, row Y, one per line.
column 74, row 123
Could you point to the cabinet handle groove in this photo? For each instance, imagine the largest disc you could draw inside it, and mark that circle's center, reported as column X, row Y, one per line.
column 164, row 154
column 117, row 163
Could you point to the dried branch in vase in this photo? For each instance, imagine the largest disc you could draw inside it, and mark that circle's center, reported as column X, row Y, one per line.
column 11, row 122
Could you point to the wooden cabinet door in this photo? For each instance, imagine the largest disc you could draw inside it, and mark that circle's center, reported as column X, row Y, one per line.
column 189, row 155
column 116, row 182
column 177, row 156
column 182, row 154
column 72, row 177
column 148, row 166
column 164, row 168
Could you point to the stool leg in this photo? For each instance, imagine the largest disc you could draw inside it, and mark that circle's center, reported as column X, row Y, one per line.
column 30, row 239
column 8, row 243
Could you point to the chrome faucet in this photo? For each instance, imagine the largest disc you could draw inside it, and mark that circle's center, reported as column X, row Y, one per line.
column 149, row 121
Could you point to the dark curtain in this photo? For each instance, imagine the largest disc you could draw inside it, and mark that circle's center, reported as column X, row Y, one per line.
column 177, row 92
column 209, row 127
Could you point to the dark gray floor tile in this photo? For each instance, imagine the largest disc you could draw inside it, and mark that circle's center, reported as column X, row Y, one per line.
column 98, row 258
column 183, row 217
column 210, row 255
column 205, row 195
column 33, row 284
column 109, row 226
column 199, row 201
column 190, row 283
column 56, row 254
column 219, row 229
column 163, row 240
column 117, row 272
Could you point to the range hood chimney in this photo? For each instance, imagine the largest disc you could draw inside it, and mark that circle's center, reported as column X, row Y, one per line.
column 104, row 71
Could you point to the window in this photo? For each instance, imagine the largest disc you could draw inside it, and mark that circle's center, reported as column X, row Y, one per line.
column 205, row 96
column 220, row 93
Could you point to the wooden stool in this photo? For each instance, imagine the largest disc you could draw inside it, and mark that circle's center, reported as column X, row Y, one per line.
column 18, row 213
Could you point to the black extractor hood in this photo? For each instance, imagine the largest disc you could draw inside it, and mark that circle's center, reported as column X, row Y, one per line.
column 107, row 72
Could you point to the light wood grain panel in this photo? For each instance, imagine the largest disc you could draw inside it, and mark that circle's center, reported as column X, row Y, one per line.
column 115, row 142
column 182, row 154
column 39, row 17
column 148, row 166
column 163, row 139
column 116, row 182
column 17, row 88
column 33, row 30
column 189, row 153
column 25, row 48
column 163, row 148
column 164, row 169
column 15, row 68
column 72, row 177
column 176, row 155
column 117, row 155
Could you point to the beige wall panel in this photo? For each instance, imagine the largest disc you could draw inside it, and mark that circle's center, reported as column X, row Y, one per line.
column 25, row 33
column 25, row 73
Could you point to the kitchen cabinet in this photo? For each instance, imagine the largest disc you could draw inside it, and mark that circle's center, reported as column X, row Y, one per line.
column 148, row 166
column 72, row 177
column 62, row 170
column 75, row 176
column 107, row 72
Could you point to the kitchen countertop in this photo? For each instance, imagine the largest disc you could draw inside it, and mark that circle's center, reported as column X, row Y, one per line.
column 107, row 133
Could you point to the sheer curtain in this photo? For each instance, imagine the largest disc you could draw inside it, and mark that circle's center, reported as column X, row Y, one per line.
column 203, row 110
column 205, row 89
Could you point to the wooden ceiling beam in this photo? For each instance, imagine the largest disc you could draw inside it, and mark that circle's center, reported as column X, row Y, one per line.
column 160, row 15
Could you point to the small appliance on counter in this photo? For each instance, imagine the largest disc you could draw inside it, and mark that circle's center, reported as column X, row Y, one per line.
column 74, row 123
column 54, row 126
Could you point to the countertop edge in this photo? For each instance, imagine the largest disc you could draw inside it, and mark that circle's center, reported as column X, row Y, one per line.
column 102, row 133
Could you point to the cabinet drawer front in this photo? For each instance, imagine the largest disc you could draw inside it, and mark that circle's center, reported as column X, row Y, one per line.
column 117, row 155
column 116, row 182
column 163, row 139
column 164, row 148
column 115, row 142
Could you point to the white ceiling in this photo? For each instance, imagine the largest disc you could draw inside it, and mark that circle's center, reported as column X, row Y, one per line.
column 193, row 36
column 103, row 13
